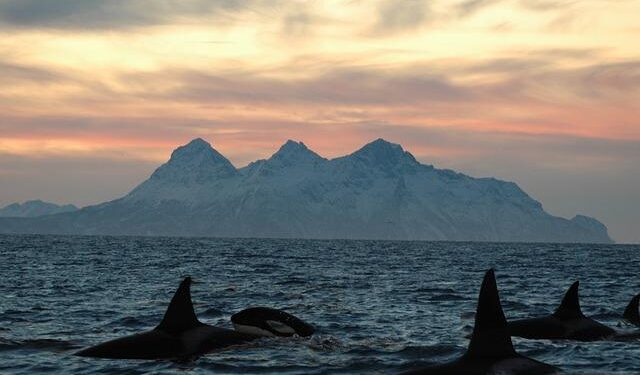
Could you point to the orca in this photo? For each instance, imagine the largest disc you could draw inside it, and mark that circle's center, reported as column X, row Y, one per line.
column 179, row 336
column 490, row 350
column 265, row 321
column 569, row 323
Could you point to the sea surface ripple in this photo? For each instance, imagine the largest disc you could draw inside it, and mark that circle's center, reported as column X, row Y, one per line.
column 379, row 306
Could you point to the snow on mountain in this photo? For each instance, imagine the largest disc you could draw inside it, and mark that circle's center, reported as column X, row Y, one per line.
column 191, row 174
column 34, row 208
column 378, row 192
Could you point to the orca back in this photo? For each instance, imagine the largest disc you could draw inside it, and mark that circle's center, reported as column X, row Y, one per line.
column 154, row 344
column 490, row 350
column 490, row 336
column 548, row 327
column 180, row 315
column 566, row 323
column 164, row 341
column 570, row 306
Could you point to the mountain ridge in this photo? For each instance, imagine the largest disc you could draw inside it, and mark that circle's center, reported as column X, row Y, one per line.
column 35, row 208
column 377, row 192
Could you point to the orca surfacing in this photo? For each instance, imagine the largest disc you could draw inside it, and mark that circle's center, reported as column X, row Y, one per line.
column 490, row 350
column 569, row 323
column 265, row 321
column 180, row 335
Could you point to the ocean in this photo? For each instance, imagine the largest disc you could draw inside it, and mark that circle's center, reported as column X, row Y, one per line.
column 379, row 307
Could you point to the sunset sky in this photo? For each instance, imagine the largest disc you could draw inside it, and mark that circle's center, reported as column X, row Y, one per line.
column 95, row 94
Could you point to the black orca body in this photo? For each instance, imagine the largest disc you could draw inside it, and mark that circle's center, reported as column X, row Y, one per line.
column 265, row 321
column 160, row 344
column 179, row 336
column 567, row 323
column 490, row 350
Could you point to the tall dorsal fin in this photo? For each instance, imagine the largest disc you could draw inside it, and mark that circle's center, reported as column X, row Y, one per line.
column 490, row 336
column 631, row 312
column 570, row 305
column 180, row 315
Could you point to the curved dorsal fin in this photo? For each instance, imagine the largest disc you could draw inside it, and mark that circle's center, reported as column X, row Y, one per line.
column 180, row 315
column 490, row 336
column 570, row 305
column 631, row 312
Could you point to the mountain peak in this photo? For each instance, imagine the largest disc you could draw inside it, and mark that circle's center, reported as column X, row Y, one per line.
column 196, row 161
column 293, row 146
column 193, row 148
column 292, row 152
column 383, row 153
column 381, row 146
column 383, row 142
column 197, row 142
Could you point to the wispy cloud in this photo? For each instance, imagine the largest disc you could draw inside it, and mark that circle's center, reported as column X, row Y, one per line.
column 14, row 72
column 468, row 7
column 514, row 88
column 399, row 16
column 112, row 14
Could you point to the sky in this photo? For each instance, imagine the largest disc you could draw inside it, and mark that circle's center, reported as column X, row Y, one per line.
column 95, row 94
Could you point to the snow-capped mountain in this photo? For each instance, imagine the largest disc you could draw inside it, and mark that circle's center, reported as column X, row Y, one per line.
column 378, row 192
column 35, row 208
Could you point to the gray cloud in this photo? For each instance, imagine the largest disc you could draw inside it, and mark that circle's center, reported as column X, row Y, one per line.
column 581, row 152
column 112, row 14
column 524, row 78
column 469, row 7
column 341, row 86
column 96, row 15
column 117, row 126
column 13, row 72
column 602, row 81
column 398, row 16
column 296, row 23
column 517, row 81
column 546, row 5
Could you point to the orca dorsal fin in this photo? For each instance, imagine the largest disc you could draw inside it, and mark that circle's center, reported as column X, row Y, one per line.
column 631, row 312
column 570, row 306
column 490, row 335
column 180, row 316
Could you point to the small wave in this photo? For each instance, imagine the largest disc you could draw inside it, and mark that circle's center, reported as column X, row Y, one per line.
column 15, row 316
column 516, row 306
column 413, row 351
column 45, row 344
column 127, row 321
column 324, row 343
column 211, row 312
column 435, row 290
column 292, row 281
column 446, row 297
column 607, row 316
column 469, row 315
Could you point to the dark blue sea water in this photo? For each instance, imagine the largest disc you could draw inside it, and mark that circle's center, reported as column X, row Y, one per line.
column 379, row 307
